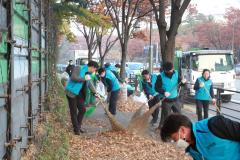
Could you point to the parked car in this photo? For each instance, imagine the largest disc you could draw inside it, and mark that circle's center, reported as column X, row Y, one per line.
column 61, row 68
column 134, row 67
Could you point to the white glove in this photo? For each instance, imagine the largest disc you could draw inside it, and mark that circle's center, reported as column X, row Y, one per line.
column 214, row 101
column 184, row 81
column 87, row 77
column 201, row 84
column 167, row 94
column 151, row 97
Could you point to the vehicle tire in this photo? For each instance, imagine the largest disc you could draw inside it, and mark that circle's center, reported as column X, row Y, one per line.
column 226, row 98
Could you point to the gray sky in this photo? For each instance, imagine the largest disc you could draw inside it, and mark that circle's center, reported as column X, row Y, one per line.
column 215, row 7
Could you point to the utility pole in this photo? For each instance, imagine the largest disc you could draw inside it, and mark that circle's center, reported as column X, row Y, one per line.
column 233, row 34
column 233, row 40
column 150, row 47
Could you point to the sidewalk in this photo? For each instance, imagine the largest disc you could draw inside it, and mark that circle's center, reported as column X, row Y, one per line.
column 99, row 122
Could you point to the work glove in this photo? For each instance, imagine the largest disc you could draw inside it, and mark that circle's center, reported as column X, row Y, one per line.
column 167, row 94
column 98, row 96
column 201, row 84
column 87, row 77
column 184, row 81
column 151, row 97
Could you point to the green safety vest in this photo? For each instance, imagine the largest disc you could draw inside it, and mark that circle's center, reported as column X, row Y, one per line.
column 90, row 100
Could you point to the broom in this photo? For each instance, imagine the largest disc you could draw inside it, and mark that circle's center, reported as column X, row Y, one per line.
column 116, row 126
column 215, row 105
column 90, row 110
column 140, row 122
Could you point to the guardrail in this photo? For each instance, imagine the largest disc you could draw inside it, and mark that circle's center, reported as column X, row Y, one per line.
column 229, row 109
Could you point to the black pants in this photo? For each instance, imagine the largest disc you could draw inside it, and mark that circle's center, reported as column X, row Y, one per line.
column 151, row 103
column 167, row 108
column 77, row 110
column 202, row 105
column 113, row 102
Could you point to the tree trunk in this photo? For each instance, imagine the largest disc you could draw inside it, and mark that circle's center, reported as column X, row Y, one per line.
column 102, row 61
column 162, row 35
column 169, row 50
column 123, row 61
column 89, row 55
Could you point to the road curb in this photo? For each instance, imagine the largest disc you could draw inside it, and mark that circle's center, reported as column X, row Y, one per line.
column 192, row 108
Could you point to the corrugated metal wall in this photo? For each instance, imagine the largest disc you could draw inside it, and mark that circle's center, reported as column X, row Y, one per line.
column 23, row 83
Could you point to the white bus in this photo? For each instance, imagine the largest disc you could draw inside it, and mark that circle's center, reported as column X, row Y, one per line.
column 219, row 62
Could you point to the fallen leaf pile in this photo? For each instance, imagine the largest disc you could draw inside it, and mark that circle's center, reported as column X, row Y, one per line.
column 129, row 106
column 96, row 123
column 122, row 146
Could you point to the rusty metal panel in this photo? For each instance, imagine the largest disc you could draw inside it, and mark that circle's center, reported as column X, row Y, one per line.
column 43, row 76
column 24, row 70
column 20, row 104
column 3, row 80
column 19, row 124
column 3, row 129
column 35, row 107
column 3, row 17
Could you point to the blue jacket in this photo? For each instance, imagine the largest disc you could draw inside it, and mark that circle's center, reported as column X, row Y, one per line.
column 203, row 93
column 75, row 87
column 211, row 147
column 149, row 88
column 170, row 84
column 111, row 81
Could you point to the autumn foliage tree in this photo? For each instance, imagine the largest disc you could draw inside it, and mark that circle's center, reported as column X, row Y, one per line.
column 125, row 14
column 91, row 24
column 201, row 31
column 136, row 44
column 104, row 34
column 168, row 34
column 232, row 17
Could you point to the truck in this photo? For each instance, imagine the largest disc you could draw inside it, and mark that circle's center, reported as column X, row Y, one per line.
column 219, row 62
column 81, row 57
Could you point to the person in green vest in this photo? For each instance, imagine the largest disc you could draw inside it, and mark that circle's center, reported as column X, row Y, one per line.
column 148, row 85
column 204, row 93
column 167, row 84
column 90, row 96
column 113, row 87
column 113, row 69
column 75, row 93
column 215, row 138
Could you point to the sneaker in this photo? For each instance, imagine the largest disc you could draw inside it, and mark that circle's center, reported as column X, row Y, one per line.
column 82, row 131
column 153, row 122
column 76, row 132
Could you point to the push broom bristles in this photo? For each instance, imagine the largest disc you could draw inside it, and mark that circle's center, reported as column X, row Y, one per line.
column 116, row 126
column 139, row 123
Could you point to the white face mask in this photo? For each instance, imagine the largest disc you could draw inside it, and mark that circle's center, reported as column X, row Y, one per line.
column 102, row 75
column 181, row 143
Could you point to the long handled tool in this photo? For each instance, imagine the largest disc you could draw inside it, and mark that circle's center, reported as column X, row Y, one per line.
column 116, row 126
column 139, row 122
column 215, row 104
